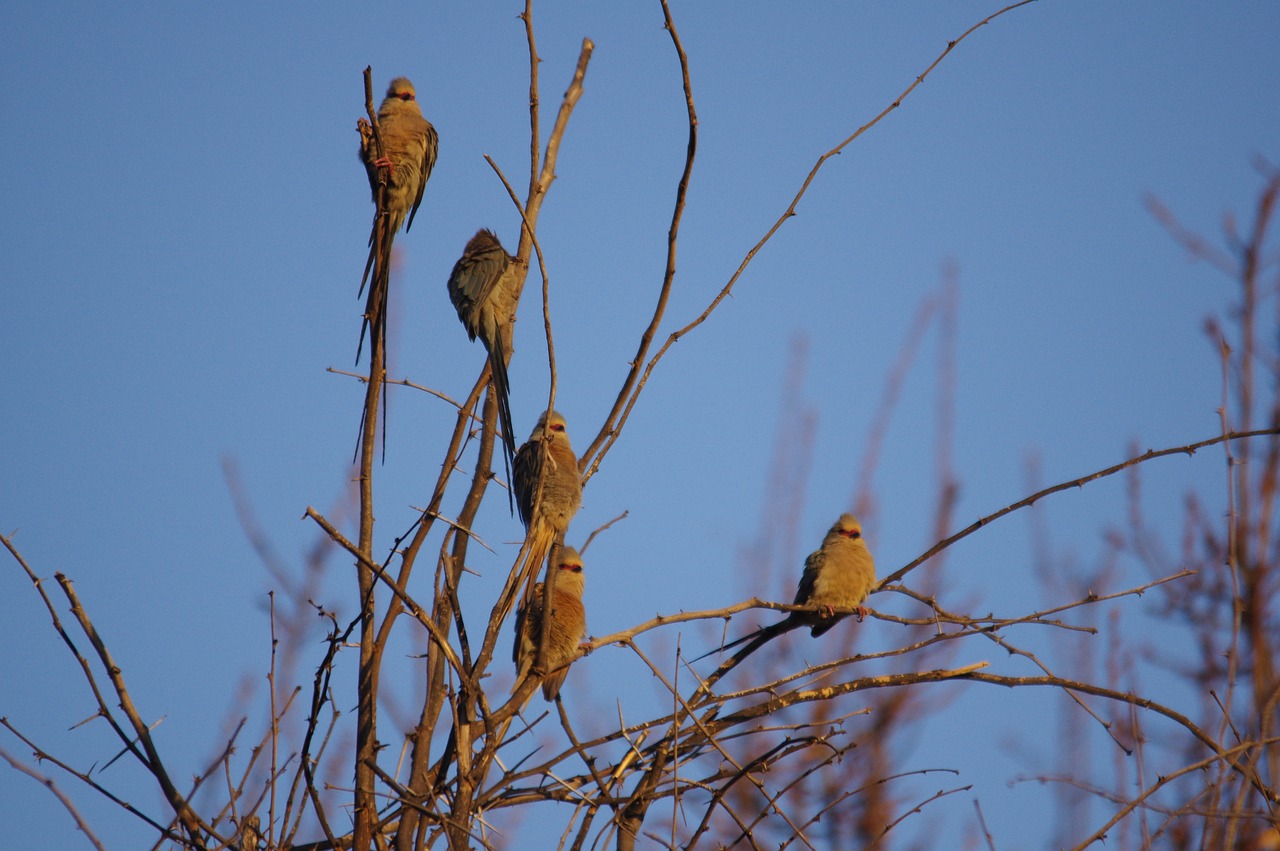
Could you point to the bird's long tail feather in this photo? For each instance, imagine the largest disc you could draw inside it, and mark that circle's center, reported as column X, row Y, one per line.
column 537, row 545
column 503, row 390
column 792, row 621
column 376, row 303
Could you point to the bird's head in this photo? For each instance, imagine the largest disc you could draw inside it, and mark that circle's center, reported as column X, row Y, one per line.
column 553, row 426
column 846, row 527
column 569, row 576
column 402, row 90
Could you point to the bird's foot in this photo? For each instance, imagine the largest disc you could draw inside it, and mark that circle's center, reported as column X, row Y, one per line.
column 860, row 612
column 385, row 162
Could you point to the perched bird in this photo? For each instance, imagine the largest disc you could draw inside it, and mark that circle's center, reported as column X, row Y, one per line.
column 839, row 574
column 545, row 463
column 409, row 153
column 482, row 289
column 568, row 625
column 409, row 144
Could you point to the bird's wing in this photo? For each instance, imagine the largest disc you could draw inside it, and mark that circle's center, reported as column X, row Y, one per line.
column 527, row 622
column 812, row 567
column 525, row 475
column 481, row 272
column 431, row 145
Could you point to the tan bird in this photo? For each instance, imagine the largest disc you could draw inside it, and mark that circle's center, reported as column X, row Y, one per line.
column 409, row 144
column 482, row 289
column 546, row 458
column 568, row 625
column 840, row 574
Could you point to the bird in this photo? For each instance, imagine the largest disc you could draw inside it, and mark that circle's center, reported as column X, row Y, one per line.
column 545, row 472
column 568, row 625
column 410, row 145
column 839, row 574
column 482, row 287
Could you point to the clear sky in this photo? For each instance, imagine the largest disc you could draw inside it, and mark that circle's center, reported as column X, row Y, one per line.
column 185, row 226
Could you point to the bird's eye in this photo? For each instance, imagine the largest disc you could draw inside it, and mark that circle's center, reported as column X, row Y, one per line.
column 852, row 533
column 572, row 568
column 405, row 95
column 557, row 427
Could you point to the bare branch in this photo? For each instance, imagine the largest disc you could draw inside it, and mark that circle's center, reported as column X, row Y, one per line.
column 1189, row 449
column 47, row 782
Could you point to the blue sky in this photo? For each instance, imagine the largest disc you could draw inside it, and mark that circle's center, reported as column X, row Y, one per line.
column 186, row 226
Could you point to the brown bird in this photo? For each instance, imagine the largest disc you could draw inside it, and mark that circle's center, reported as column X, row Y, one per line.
column 839, row 574
column 482, row 289
column 545, row 462
column 409, row 144
column 568, row 625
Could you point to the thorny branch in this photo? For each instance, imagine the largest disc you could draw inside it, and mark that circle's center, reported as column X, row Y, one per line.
column 610, row 433
column 1189, row 449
